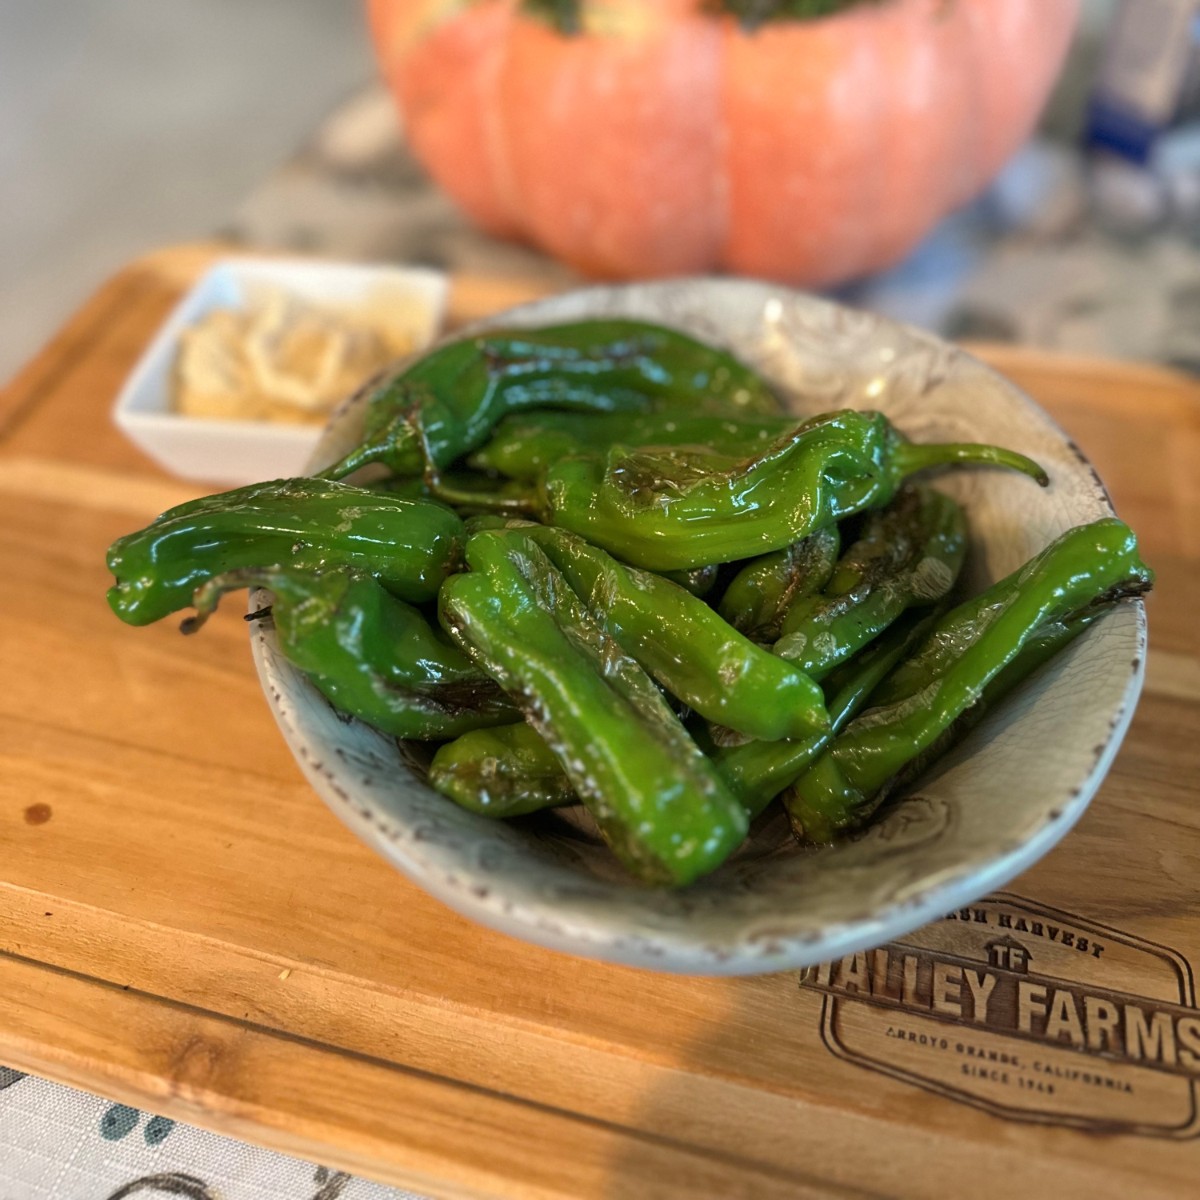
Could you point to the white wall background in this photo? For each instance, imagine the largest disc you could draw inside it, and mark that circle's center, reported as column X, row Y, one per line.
column 127, row 124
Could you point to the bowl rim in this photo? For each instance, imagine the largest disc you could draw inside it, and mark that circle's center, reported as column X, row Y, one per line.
column 663, row 952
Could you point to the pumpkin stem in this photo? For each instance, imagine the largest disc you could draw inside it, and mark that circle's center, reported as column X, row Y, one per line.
column 564, row 15
column 753, row 13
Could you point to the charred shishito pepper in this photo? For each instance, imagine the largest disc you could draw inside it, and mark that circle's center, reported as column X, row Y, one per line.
column 1002, row 634
column 508, row 771
column 448, row 402
column 524, row 446
column 759, row 771
column 908, row 556
column 669, row 509
column 410, row 546
column 370, row 655
column 657, row 799
column 684, row 644
column 511, row 770
column 762, row 593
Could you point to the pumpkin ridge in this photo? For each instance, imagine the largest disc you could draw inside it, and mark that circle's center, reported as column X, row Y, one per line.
column 675, row 137
column 497, row 143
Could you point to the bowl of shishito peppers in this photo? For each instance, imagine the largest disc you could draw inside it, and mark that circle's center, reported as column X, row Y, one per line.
column 598, row 579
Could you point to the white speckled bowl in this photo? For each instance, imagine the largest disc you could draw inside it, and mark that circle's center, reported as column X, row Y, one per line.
column 987, row 811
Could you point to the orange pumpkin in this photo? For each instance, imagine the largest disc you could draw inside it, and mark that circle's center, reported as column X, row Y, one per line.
column 665, row 139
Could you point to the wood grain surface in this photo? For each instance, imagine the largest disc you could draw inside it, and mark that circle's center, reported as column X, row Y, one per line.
column 185, row 927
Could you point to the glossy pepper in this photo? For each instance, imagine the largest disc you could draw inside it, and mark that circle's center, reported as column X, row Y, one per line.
column 759, row 771
column 511, row 770
column 1086, row 568
column 1042, row 646
column 409, row 545
column 370, row 655
column 909, row 555
column 674, row 509
column 447, row 402
column 655, row 797
column 462, row 485
column 699, row 580
column 523, row 446
column 508, row 771
column 761, row 593
column 814, row 812
column 689, row 648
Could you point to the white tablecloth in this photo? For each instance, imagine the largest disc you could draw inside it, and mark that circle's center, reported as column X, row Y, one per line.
column 60, row 1144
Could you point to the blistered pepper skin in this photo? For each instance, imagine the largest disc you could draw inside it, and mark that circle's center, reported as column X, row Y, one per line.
column 762, row 593
column 759, row 771
column 448, row 402
column 665, row 509
column 1087, row 568
column 509, row 771
column 524, row 446
column 909, row 555
column 684, row 644
column 658, row 800
column 370, row 655
column 409, row 545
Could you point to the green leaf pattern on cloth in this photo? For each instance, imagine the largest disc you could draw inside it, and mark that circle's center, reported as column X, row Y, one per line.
column 60, row 1144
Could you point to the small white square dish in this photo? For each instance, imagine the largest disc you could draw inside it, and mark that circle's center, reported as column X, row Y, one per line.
column 234, row 452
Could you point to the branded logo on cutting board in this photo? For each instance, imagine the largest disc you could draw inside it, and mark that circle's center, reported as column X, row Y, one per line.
column 1028, row 1012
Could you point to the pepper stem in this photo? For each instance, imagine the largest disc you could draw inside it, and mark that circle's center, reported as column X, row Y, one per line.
column 384, row 447
column 469, row 498
column 911, row 457
column 208, row 595
column 440, row 490
column 359, row 457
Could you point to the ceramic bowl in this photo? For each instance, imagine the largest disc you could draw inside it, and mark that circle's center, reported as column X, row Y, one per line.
column 985, row 812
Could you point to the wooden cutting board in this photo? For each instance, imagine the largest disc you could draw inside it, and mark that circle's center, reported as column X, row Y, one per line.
column 185, row 927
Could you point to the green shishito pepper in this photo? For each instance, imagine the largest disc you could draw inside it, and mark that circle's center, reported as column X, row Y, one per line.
column 690, row 649
column 759, row 771
column 1085, row 569
column 656, row 798
column 508, row 771
column 674, row 509
column 699, row 580
column 409, row 545
column 760, row 595
column 523, row 446
column 447, row 402
column 909, row 555
column 370, row 655
column 1042, row 646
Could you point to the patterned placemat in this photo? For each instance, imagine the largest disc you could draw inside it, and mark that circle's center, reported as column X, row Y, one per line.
column 57, row 1143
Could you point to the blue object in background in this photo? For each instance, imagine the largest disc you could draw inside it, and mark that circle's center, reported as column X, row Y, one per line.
column 1149, row 51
